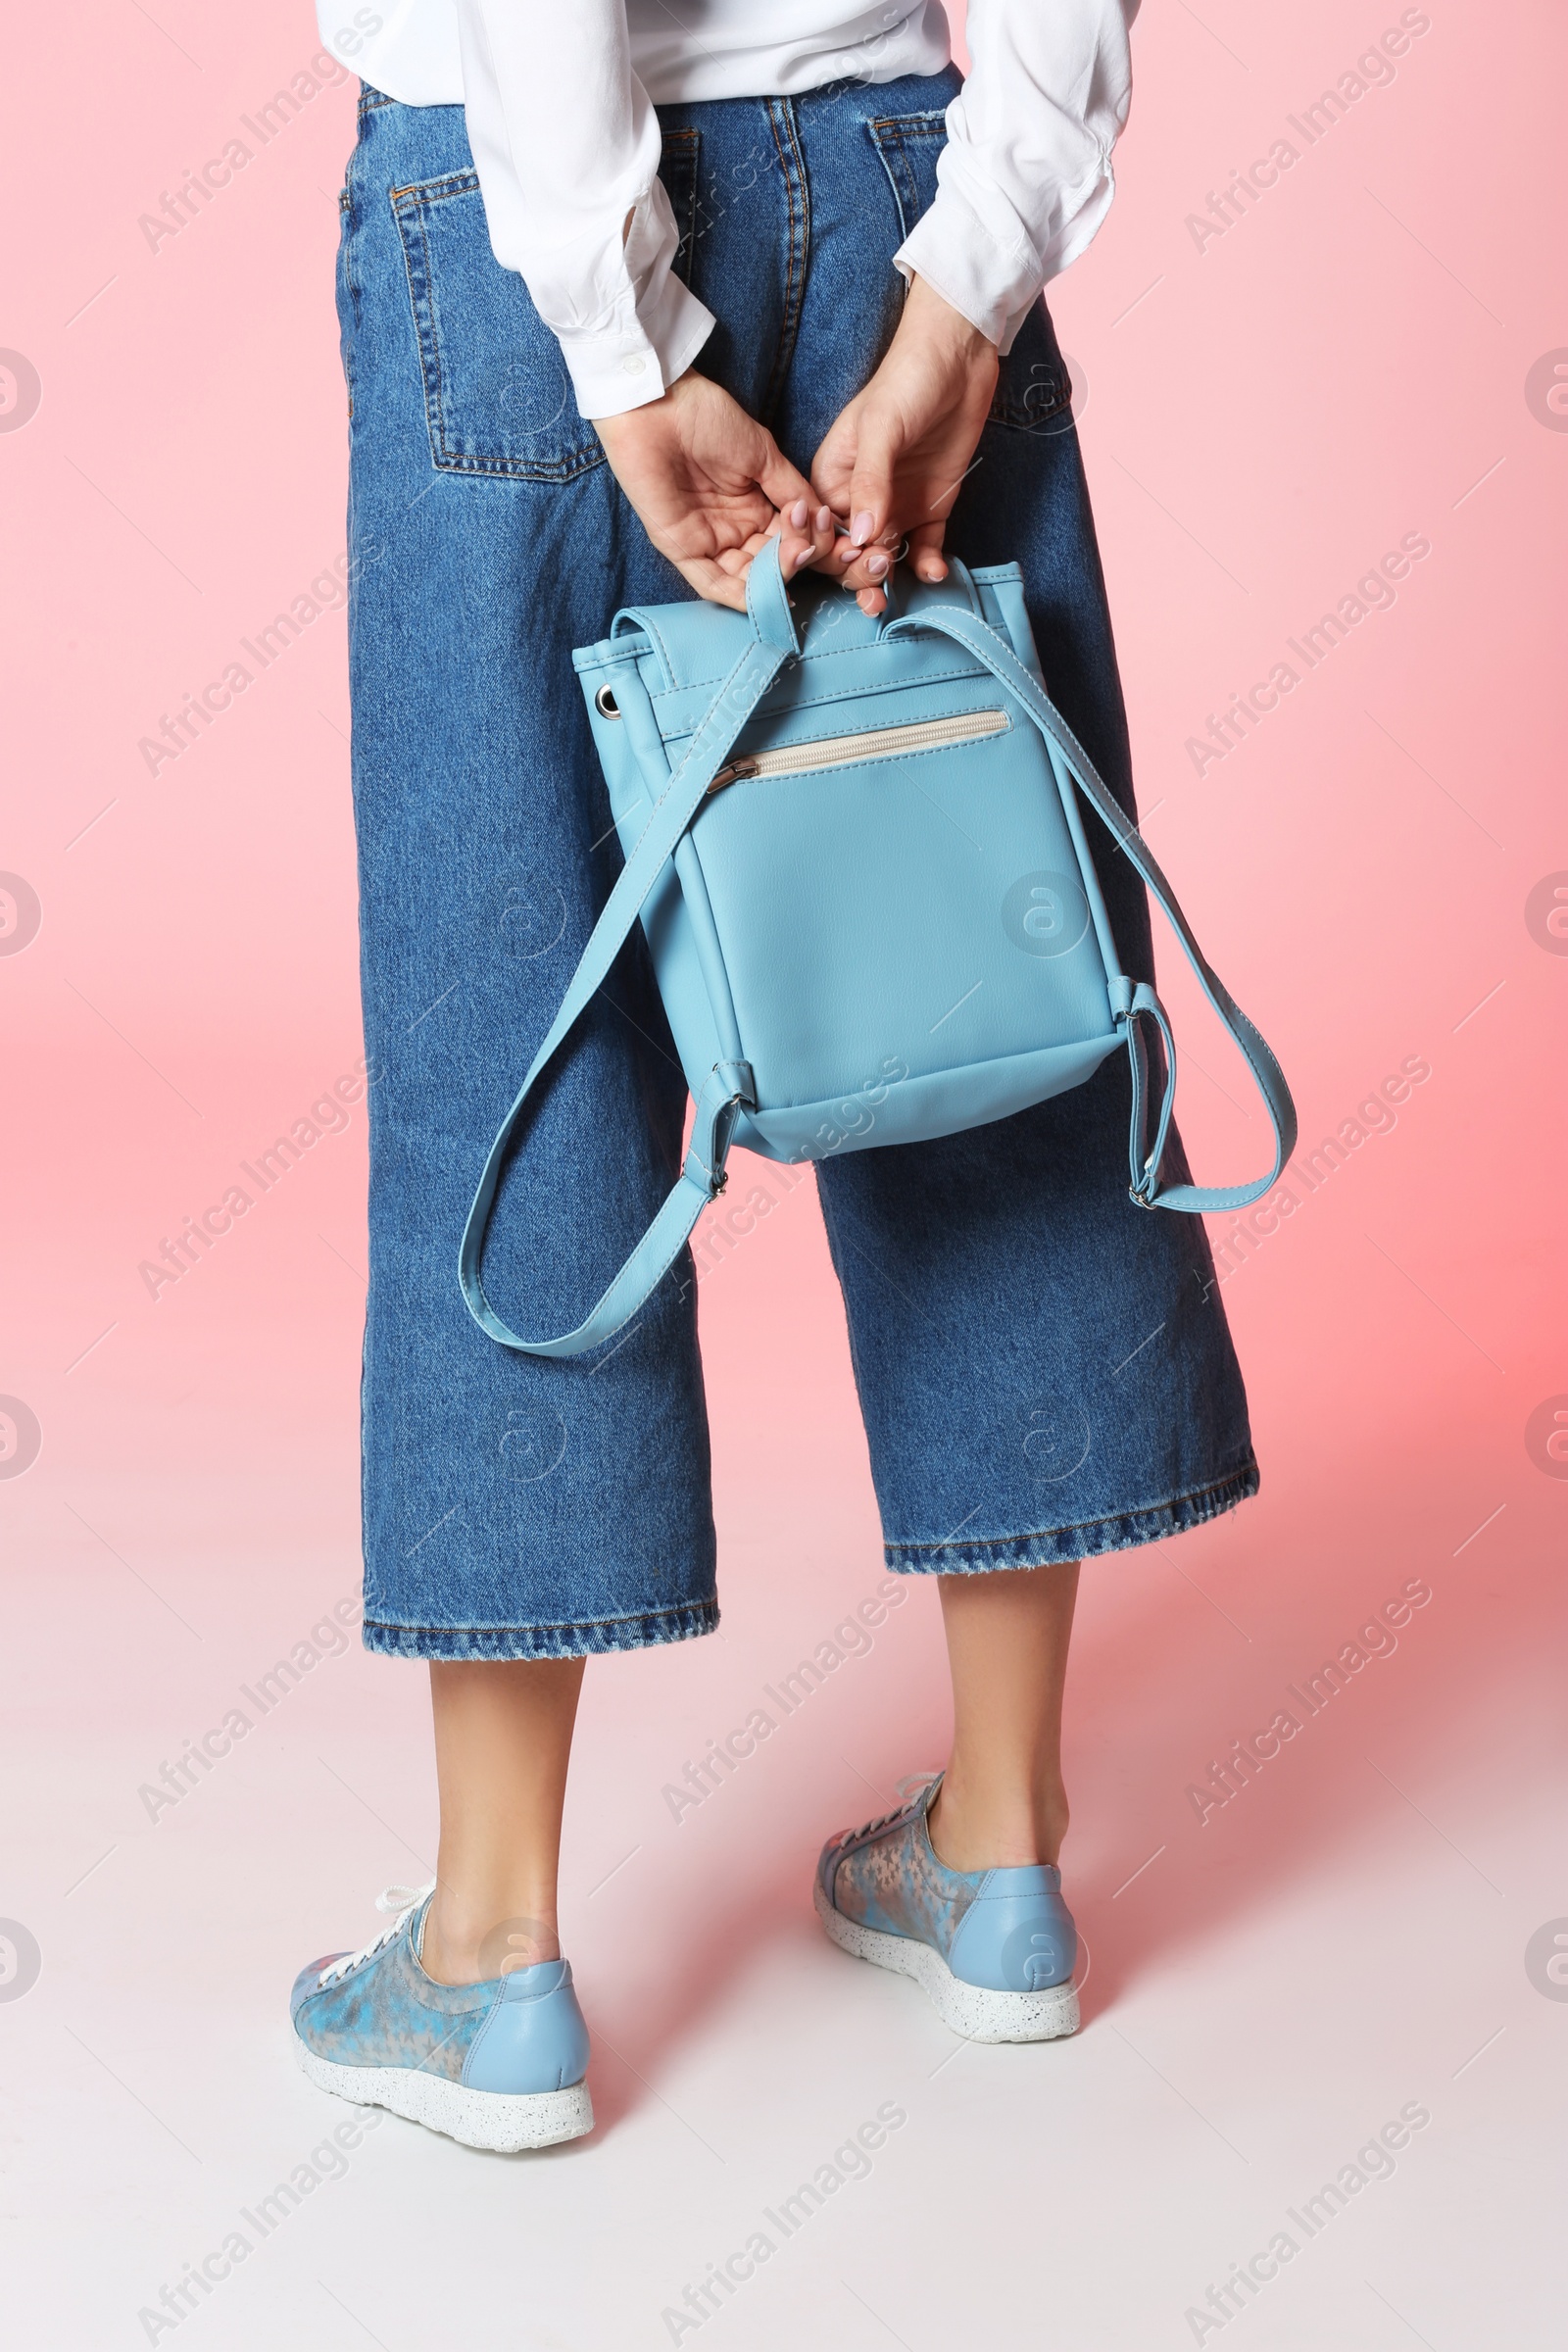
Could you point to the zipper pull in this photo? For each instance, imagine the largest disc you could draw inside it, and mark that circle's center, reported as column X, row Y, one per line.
column 732, row 774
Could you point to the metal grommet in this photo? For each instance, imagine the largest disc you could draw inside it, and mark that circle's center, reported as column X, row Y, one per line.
column 605, row 704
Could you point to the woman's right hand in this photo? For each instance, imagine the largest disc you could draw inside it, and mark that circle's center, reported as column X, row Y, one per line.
column 710, row 486
column 896, row 456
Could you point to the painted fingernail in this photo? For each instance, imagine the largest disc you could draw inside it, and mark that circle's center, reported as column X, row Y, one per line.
column 876, row 564
column 824, row 518
column 861, row 529
column 798, row 514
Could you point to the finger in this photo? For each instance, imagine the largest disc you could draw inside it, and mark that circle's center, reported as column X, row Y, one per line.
column 871, row 481
column 782, row 482
column 818, row 532
column 794, row 549
column 834, row 460
column 926, row 560
column 738, row 561
column 867, row 568
column 732, row 564
column 834, row 555
column 805, row 535
column 801, row 540
column 713, row 583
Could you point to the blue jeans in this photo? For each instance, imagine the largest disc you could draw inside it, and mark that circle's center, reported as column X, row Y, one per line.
column 1043, row 1369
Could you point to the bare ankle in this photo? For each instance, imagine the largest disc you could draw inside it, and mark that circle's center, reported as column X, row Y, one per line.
column 990, row 1831
column 468, row 1944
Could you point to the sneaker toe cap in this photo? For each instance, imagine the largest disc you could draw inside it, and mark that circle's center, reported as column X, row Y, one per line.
column 828, row 1863
column 307, row 1981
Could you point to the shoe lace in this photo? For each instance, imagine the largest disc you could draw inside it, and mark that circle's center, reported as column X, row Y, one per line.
column 910, row 1789
column 400, row 1900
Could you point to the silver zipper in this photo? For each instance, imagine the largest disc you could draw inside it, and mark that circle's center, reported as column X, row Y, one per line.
column 875, row 743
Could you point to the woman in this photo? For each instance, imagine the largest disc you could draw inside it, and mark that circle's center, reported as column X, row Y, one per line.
column 596, row 351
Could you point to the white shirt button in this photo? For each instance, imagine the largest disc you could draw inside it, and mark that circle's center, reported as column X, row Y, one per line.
column 633, row 363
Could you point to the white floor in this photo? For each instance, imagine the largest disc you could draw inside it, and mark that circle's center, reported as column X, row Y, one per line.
column 1340, row 1947
column 1268, row 1994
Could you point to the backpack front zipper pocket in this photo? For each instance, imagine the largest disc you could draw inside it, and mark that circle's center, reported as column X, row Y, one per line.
column 875, row 743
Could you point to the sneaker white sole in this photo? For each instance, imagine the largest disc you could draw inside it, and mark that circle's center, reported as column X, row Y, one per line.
column 480, row 2118
column 972, row 2010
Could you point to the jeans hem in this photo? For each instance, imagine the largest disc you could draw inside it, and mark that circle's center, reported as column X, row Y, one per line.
column 641, row 1630
column 1049, row 1546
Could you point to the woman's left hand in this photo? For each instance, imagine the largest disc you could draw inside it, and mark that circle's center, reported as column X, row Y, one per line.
column 893, row 461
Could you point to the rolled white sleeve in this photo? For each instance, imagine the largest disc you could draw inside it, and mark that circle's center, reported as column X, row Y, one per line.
column 1025, row 178
column 567, row 146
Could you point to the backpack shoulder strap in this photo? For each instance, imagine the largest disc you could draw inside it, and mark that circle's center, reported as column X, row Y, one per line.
column 1067, row 756
column 773, row 644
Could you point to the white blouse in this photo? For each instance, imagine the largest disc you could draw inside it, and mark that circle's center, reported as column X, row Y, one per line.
column 560, row 97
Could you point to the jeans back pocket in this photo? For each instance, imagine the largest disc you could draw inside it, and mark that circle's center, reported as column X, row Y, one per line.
column 498, row 399
column 909, row 145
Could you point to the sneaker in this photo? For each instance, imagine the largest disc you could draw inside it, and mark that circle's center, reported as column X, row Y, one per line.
column 496, row 2066
column 994, row 1948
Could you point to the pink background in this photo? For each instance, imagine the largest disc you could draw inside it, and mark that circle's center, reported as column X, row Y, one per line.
column 1364, row 354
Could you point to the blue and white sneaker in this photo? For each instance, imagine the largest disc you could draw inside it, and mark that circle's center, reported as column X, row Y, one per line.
column 496, row 2066
column 994, row 1948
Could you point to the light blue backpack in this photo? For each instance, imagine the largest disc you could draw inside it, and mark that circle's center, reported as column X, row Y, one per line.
column 856, row 849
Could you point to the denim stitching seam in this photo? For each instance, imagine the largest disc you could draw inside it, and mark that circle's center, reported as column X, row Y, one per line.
column 550, row 1625
column 889, row 133
column 684, row 147
column 408, row 209
column 1244, row 1476
column 648, row 1627
column 792, row 165
column 837, row 694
